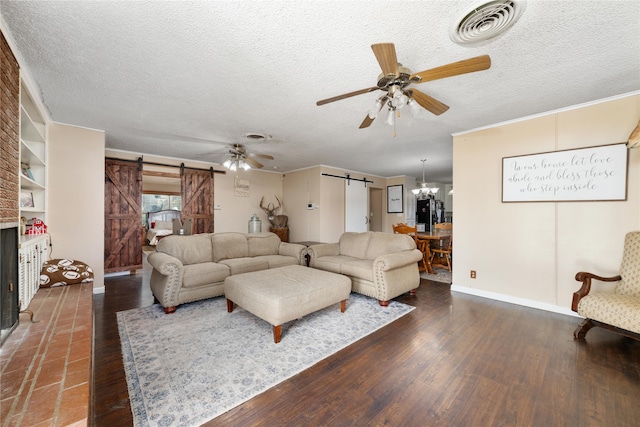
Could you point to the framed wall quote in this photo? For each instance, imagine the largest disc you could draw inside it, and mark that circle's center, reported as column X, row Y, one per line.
column 395, row 198
column 583, row 174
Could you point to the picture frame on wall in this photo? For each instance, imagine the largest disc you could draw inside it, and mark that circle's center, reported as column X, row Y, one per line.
column 26, row 199
column 395, row 198
column 592, row 174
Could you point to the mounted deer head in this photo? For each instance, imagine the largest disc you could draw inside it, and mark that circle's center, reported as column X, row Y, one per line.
column 277, row 221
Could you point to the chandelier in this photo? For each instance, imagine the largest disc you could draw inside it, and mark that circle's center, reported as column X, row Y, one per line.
column 235, row 162
column 423, row 189
column 395, row 100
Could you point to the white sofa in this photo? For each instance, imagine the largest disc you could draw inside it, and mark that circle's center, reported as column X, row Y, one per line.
column 191, row 268
column 380, row 265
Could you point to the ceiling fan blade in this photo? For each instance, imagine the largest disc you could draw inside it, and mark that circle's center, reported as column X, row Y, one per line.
column 429, row 103
column 347, row 95
column 470, row 65
column 366, row 122
column 253, row 163
column 386, row 55
column 262, row 156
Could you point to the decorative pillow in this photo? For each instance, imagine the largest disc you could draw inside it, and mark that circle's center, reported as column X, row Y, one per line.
column 61, row 272
column 164, row 225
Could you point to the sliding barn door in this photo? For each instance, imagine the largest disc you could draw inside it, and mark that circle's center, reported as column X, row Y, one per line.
column 197, row 199
column 122, row 216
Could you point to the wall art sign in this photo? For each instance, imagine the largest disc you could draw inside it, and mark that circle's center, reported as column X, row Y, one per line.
column 583, row 174
column 395, row 198
column 241, row 187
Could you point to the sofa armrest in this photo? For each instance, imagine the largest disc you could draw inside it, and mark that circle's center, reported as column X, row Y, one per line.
column 397, row 259
column 295, row 250
column 165, row 264
column 166, row 279
column 585, row 278
column 323, row 249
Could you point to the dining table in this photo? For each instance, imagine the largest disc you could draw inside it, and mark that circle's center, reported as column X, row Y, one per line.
column 431, row 236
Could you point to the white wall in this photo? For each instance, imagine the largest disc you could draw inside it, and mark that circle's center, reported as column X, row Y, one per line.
column 529, row 253
column 327, row 222
column 75, row 185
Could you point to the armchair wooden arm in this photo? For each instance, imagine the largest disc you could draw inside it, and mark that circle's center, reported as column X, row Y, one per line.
column 585, row 278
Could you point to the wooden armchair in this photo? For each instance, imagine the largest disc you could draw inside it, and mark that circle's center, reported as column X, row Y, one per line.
column 618, row 311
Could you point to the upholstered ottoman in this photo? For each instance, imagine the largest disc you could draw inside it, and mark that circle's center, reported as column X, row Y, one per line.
column 279, row 295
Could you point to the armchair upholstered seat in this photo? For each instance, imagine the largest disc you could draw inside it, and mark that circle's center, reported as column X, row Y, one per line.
column 618, row 310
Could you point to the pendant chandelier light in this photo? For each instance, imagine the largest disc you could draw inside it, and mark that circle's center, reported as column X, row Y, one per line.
column 423, row 189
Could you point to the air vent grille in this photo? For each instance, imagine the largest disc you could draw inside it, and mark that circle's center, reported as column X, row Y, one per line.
column 486, row 19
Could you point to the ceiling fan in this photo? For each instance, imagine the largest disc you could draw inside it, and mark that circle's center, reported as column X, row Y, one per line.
column 395, row 80
column 239, row 157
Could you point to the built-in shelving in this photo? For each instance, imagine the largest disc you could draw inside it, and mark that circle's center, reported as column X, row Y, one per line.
column 33, row 158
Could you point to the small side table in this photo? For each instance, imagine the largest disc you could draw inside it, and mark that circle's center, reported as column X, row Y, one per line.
column 282, row 233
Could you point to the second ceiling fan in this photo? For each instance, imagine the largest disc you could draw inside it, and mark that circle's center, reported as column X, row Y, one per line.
column 395, row 80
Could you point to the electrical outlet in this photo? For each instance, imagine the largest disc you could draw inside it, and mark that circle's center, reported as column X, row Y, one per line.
column 472, row 274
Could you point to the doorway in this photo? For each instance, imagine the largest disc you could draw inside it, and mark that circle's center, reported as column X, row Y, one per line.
column 375, row 209
column 356, row 207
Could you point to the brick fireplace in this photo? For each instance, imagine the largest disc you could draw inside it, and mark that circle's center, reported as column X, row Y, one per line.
column 9, row 187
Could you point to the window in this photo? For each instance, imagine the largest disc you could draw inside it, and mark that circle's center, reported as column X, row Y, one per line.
column 161, row 202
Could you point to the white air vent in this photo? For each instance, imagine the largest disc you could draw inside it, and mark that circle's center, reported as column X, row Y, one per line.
column 483, row 20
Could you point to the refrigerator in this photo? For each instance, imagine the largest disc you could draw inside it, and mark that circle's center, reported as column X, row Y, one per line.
column 429, row 212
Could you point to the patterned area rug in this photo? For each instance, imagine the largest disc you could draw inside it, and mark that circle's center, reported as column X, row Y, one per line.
column 440, row 276
column 197, row 363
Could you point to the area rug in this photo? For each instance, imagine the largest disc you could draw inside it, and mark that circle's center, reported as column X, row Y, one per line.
column 197, row 363
column 439, row 276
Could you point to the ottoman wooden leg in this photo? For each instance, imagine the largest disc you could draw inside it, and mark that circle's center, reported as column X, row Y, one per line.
column 277, row 330
column 343, row 305
column 229, row 306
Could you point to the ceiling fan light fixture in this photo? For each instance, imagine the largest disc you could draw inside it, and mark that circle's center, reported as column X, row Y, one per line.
column 391, row 117
column 414, row 107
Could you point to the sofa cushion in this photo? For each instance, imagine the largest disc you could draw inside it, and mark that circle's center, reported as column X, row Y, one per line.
column 204, row 273
column 354, row 244
column 194, row 249
column 229, row 246
column 263, row 244
column 332, row 263
column 362, row 269
column 276, row 261
column 385, row 243
column 246, row 265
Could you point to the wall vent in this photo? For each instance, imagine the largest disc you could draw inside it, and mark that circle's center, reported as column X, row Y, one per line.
column 483, row 20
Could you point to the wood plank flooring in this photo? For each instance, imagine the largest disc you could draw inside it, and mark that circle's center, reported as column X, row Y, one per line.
column 457, row 360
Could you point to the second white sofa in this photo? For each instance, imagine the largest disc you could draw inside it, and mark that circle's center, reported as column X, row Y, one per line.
column 380, row 265
column 192, row 268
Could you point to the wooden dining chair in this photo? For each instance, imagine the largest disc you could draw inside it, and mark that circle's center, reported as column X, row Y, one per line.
column 441, row 256
column 421, row 245
column 443, row 226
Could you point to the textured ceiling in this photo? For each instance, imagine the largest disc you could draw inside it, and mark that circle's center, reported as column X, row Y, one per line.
column 182, row 79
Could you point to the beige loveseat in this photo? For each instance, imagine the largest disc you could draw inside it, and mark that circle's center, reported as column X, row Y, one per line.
column 380, row 265
column 191, row 268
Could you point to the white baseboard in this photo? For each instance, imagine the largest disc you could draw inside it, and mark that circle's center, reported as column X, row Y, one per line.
column 98, row 290
column 515, row 300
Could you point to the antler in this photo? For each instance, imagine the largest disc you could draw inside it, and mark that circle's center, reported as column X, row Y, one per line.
column 279, row 203
column 269, row 209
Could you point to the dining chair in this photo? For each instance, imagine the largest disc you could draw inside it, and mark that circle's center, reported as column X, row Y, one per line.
column 441, row 256
column 443, row 226
column 421, row 245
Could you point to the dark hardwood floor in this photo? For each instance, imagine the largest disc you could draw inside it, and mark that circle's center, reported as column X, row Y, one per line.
column 457, row 360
